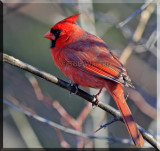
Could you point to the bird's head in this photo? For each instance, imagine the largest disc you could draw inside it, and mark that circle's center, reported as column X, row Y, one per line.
column 60, row 34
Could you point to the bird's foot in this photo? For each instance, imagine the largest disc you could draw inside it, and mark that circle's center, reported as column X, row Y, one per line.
column 74, row 87
column 95, row 104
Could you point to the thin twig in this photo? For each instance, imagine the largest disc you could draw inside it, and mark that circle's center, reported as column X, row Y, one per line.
column 63, row 143
column 105, row 125
column 145, row 16
column 84, row 113
column 14, row 101
column 15, row 62
column 75, row 123
column 121, row 24
column 60, row 127
column 54, row 103
column 141, row 103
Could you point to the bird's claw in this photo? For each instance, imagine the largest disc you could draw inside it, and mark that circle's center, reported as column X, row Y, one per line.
column 96, row 97
column 74, row 87
column 96, row 102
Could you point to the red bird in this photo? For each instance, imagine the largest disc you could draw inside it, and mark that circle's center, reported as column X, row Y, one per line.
column 85, row 59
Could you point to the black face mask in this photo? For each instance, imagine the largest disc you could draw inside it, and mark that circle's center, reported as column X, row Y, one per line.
column 56, row 34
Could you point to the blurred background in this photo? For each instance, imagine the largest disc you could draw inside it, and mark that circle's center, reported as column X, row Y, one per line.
column 134, row 42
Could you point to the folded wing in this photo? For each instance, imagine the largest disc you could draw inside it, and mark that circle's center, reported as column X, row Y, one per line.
column 93, row 56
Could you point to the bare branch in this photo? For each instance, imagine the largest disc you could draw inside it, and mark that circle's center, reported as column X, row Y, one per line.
column 84, row 113
column 148, row 2
column 141, row 103
column 54, row 103
column 108, row 123
column 63, row 143
column 65, row 129
column 15, row 62
column 145, row 16
column 13, row 100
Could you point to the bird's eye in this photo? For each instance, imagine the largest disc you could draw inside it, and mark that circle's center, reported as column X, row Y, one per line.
column 56, row 32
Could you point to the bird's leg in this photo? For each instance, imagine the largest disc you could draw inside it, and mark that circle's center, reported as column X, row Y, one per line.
column 99, row 92
column 96, row 96
column 74, row 87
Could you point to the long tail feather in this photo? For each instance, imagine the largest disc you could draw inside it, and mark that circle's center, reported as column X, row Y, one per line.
column 117, row 93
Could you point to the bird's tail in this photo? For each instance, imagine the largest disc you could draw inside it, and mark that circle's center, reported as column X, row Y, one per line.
column 116, row 91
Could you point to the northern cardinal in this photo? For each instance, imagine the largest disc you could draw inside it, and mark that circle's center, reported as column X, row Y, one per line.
column 86, row 59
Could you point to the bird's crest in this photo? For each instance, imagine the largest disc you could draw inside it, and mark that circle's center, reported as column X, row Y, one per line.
column 71, row 19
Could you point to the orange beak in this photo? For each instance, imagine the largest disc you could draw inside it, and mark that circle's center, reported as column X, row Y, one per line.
column 49, row 35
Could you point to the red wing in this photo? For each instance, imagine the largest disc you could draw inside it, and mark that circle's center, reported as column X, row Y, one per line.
column 97, row 60
column 105, row 71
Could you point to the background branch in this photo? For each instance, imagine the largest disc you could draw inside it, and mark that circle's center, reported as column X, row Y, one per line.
column 15, row 104
column 63, row 128
column 148, row 2
column 15, row 62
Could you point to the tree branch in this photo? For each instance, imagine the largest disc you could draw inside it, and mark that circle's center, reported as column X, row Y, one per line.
column 65, row 129
column 15, row 62
column 148, row 2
